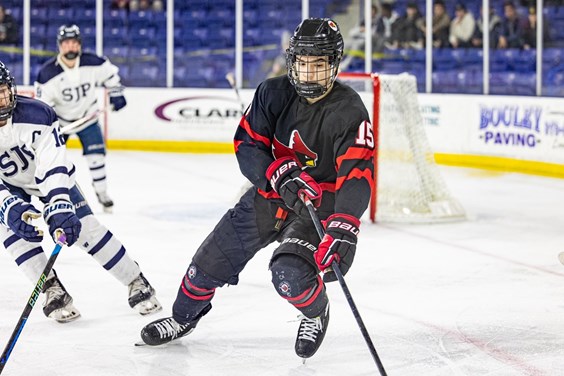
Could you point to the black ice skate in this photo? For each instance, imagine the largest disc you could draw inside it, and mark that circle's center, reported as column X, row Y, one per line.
column 311, row 334
column 168, row 329
column 142, row 296
column 105, row 201
column 58, row 303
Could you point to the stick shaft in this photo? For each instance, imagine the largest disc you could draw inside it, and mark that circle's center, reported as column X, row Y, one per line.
column 345, row 288
column 30, row 303
column 77, row 123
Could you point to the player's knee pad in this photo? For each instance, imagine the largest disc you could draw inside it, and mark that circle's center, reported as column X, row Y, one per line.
column 194, row 294
column 298, row 282
column 107, row 250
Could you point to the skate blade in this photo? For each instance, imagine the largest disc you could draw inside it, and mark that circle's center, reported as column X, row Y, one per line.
column 561, row 257
column 65, row 315
column 108, row 209
column 148, row 306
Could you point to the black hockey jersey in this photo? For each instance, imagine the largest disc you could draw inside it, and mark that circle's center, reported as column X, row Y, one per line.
column 331, row 139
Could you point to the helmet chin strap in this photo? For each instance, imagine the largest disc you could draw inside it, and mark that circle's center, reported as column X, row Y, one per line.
column 310, row 89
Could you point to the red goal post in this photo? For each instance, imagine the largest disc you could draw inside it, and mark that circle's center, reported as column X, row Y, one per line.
column 408, row 186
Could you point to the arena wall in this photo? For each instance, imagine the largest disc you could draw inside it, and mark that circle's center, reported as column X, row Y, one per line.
column 505, row 133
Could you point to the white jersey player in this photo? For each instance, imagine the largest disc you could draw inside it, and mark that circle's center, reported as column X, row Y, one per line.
column 68, row 83
column 33, row 162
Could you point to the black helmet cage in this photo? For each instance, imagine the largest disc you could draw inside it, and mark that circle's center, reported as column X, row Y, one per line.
column 7, row 79
column 314, row 37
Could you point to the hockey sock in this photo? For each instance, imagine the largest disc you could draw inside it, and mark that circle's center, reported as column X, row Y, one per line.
column 107, row 250
column 194, row 294
column 97, row 166
column 29, row 257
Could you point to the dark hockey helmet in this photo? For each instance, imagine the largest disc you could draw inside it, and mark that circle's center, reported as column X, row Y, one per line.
column 315, row 37
column 8, row 97
column 68, row 32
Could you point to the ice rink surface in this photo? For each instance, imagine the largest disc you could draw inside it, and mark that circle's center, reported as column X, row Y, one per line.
column 480, row 297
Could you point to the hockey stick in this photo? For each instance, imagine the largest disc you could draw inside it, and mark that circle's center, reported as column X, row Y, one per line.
column 61, row 239
column 339, row 274
column 77, row 123
column 231, row 79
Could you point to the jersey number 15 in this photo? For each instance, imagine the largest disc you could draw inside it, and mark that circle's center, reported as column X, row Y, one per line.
column 365, row 136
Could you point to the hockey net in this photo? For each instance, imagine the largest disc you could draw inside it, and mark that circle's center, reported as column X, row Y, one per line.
column 408, row 184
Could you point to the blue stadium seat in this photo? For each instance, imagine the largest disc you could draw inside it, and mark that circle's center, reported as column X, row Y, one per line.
column 115, row 18
column 38, row 15
column 445, row 81
column 525, row 61
column 525, row 84
column 15, row 12
column 116, row 36
column 85, row 16
column 116, row 53
column 142, row 37
column 445, row 59
column 221, row 16
column 195, row 17
column 552, row 56
column 37, row 34
column 140, row 19
column 502, row 83
column 498, row 61
column 473, row 58
column 60, row 15
column 144, row 74
column 7, row 58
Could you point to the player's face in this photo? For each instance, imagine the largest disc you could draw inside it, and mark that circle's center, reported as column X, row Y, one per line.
column 5, row 100
column 313, row 69
column 69, row 46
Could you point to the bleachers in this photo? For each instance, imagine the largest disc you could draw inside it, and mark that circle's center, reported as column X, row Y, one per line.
column 204, row 38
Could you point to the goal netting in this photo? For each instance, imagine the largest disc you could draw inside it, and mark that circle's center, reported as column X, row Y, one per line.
column 408, row 184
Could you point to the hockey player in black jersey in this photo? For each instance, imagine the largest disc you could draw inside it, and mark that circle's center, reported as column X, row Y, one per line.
column 303, row 133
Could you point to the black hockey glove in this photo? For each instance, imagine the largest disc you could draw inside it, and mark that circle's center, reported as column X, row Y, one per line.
column 339, row 244
column 117, row 100
column 60, row 215
column 16, row 214
column 289, row 181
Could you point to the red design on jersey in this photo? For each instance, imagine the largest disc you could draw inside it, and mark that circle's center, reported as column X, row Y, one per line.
column 357, row 174
column 254, row 135
column 355, row 153
column 296, row 149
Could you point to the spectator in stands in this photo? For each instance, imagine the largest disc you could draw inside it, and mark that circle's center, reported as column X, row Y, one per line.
column 279, row 63
column 462, row 27
column 408, row 30
column 441, row 25
column 512, row 28
column 9, row 33
column 385, row 27
column 530, row 34
column 120, row 5
column 156, row 5
column 494, row 29
column 355, row 44
column 356, row 34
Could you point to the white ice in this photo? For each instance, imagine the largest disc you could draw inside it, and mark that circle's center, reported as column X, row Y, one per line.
column 481, row 297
